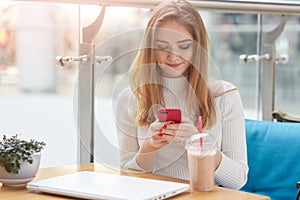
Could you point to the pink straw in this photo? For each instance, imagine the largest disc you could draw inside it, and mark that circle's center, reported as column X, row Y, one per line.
column 200, row 130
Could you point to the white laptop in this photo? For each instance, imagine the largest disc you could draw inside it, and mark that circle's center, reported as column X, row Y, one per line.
column 95, row 185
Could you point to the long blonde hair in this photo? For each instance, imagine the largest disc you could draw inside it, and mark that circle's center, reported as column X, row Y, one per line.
column 144, row 80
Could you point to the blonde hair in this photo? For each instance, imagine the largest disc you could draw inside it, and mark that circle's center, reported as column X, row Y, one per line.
column 144, row 79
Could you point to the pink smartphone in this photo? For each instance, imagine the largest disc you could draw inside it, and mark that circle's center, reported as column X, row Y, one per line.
column 169, row 114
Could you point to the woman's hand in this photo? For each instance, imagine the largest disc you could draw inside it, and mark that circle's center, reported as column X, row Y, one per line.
column 178, row 133
column 147, row 153
column 154, row 139
column 159, row 135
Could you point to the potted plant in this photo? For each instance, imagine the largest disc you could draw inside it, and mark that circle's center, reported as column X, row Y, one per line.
column 19, row 160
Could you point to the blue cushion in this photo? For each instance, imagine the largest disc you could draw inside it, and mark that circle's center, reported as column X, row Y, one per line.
column 273, row 158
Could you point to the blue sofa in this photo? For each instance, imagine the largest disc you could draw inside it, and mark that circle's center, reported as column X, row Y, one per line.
column 273, row 158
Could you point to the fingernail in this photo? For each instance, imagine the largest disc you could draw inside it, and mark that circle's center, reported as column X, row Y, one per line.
column 165, row 126
column 172, row 122
column 160, row 134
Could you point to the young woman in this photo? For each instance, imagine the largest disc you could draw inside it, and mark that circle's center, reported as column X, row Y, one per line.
column 171, row 70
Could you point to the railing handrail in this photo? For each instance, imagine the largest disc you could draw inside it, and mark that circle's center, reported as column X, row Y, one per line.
column 248, row 6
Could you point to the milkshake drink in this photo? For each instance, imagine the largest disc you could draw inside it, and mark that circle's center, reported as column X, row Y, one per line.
column 201, row 161
column 202, row 170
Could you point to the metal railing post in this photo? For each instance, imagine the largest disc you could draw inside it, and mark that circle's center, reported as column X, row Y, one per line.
column 269, row 70
column 86, row 92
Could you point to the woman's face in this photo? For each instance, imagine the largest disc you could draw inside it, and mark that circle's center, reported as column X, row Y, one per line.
column 173, row 49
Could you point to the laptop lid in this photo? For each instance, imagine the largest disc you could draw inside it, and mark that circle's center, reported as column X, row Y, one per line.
column 95, row 185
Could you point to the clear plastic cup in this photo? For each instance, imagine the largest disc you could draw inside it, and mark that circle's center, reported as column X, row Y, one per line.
column 201, row 150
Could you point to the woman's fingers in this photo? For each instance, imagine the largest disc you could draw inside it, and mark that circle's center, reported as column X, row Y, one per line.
column 179, row 129
column 170, row 132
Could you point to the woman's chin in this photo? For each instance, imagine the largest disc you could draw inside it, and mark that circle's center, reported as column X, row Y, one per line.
column 171, row 73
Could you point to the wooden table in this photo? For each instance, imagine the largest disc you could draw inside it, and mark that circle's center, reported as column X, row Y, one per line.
column 9, row 193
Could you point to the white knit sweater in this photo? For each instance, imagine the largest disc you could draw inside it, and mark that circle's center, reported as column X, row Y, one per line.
column 172, row 159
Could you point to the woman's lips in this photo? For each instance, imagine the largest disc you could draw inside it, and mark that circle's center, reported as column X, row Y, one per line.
column 174, row 65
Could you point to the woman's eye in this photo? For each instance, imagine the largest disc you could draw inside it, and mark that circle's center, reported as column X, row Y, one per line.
column 163, row 47
column 184, row 46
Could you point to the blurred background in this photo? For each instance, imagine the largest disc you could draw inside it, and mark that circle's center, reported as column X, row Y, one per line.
column 37, row 95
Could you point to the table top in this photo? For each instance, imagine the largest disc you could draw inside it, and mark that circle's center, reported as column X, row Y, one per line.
column 10, row 193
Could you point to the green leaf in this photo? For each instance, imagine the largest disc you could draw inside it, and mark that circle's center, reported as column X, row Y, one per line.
column 14, row 150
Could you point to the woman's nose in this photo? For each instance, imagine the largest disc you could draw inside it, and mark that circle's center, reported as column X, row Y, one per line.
column 173, row 55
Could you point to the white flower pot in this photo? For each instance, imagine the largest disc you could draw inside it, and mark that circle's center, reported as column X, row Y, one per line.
column 26, row 173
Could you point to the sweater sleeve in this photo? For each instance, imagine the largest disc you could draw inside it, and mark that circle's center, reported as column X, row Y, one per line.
column 233, row 169
column 126, row 131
